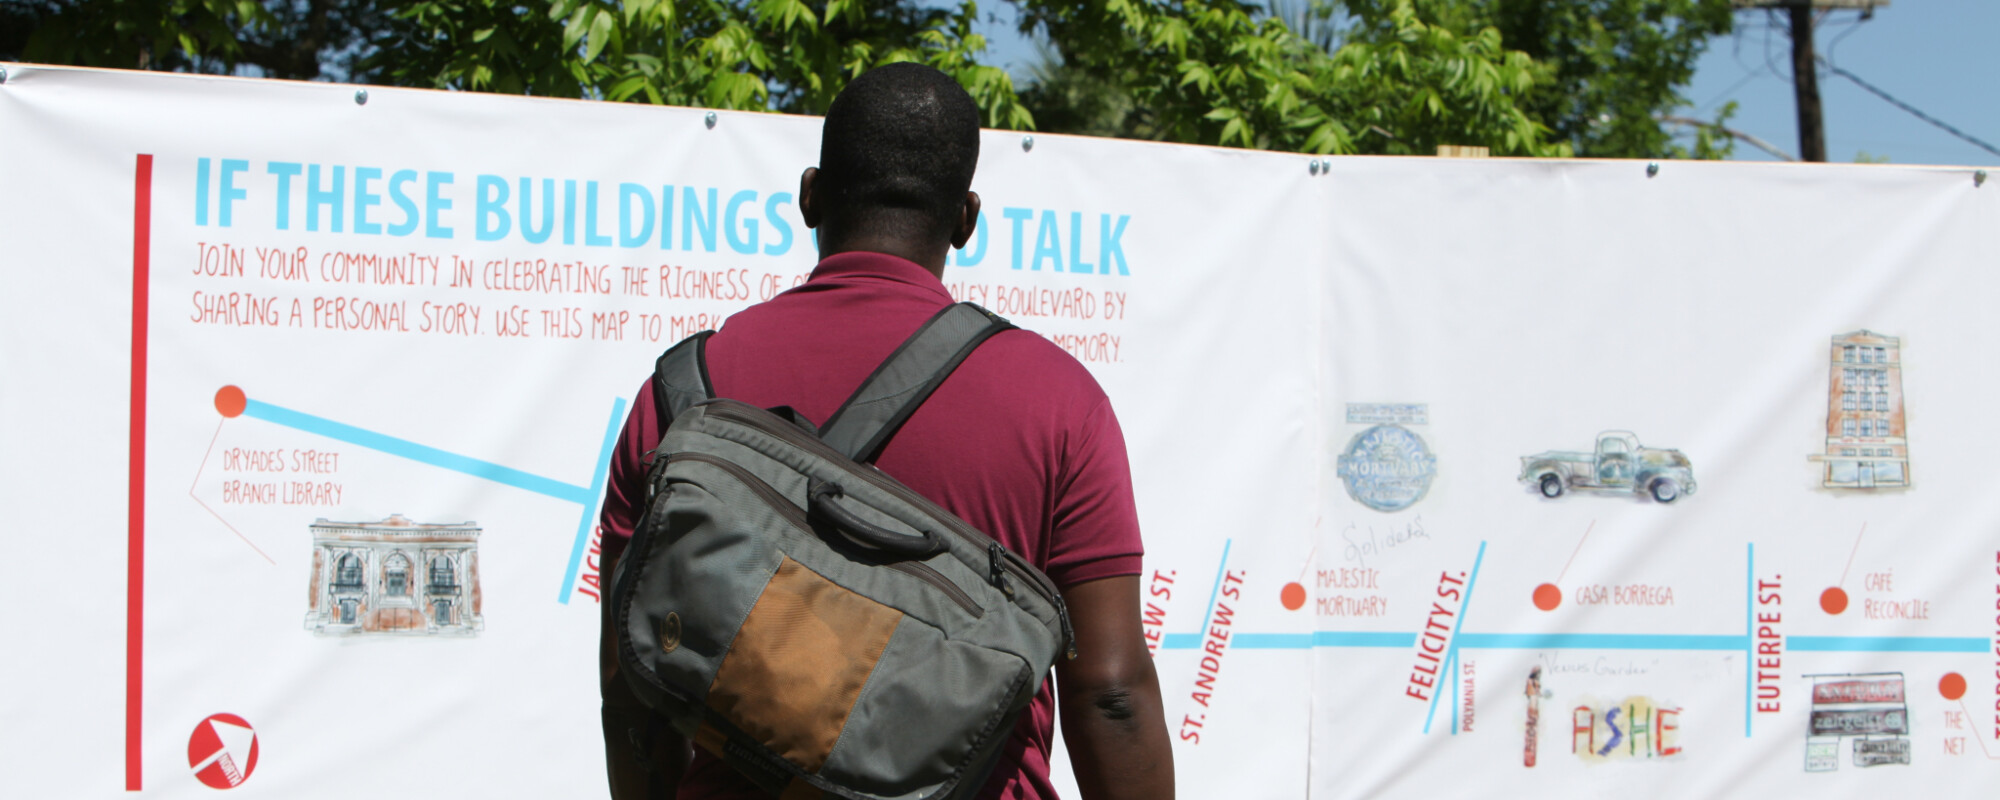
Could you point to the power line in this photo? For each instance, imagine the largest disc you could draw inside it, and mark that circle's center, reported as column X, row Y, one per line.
column 1724, row 94
column 1732, row 133
column 1946, row 127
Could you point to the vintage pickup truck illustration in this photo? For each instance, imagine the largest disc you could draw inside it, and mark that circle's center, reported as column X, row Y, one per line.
column 1618, row 464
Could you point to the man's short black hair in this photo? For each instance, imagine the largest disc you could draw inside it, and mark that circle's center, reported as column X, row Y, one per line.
column 901, row 138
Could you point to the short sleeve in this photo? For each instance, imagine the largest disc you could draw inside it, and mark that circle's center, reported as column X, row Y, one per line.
column 1095, row 527
column 625, row 484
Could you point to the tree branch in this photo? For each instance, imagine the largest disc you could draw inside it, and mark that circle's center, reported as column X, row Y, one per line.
column 1732, row 133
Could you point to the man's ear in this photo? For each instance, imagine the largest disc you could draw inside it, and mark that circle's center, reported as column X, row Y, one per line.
column 808, row 199
column 968, row 221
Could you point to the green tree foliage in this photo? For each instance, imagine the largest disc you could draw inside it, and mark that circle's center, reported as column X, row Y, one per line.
column 1523, row 77
column 1226, row 72
column 780, row 55
column 1613, row 67
column 1528, row 77
column 299, row 39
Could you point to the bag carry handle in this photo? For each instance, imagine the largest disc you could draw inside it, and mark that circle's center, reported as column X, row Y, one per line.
column 823, row 501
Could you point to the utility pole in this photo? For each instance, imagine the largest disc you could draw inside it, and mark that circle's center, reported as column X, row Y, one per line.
column 1805, row 65
column 1805, row 86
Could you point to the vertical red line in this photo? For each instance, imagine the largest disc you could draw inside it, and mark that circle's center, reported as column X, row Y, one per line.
column 135, row 501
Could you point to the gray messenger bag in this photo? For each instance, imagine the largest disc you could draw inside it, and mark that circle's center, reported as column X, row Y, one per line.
column 814, row 623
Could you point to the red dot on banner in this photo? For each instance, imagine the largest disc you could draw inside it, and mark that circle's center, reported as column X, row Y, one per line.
column 1293, row 596
column 222, row 751
column 1833, row 601
column 1952, row 686
column 1547, row 597
column 229, row 401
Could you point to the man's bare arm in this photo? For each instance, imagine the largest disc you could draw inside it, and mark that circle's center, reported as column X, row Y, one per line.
column 634, row 774
column 1109, row 697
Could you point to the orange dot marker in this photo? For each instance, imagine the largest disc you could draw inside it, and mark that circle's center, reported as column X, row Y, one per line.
column 1833, row 601
column 1547, row 597
column 1293, row 596
column 1952, row 686
column 229, row 401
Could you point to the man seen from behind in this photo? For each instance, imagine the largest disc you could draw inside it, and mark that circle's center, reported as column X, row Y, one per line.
column 1019, row 441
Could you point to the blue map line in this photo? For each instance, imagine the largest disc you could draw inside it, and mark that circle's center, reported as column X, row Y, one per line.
column 1491, row 641
column 1579, row 641
column 1749, row 606
column 1451, row 650
column 597, row 477
column 1361, row 639
column 1600, row 641
column 1190, row 641
column 1886, row 644
column 1307, row 641
column 1270, row 641
column 1452, row 670
column 424, row 454
column 417, row 452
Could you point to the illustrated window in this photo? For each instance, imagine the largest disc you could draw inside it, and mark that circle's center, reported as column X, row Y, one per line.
column 396, row 576
column 442, row 580
column 347, row 573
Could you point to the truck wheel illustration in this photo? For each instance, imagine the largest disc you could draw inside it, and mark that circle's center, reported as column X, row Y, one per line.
column 1665, row 490
column 1552, row 485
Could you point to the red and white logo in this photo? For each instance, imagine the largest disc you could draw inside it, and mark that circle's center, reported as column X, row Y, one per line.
column 223, row 751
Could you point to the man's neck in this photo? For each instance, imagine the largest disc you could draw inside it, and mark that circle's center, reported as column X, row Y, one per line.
column 929, row 256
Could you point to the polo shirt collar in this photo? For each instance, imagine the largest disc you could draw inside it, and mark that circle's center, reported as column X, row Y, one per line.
column 878, row 266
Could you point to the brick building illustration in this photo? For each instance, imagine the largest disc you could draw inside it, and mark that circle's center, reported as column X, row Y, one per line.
column 1866, row 445
column 394, row 576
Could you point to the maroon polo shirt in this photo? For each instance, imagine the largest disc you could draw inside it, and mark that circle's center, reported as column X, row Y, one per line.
column 1020, row 442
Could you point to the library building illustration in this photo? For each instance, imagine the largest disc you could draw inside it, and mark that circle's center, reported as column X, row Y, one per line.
column 395, row 577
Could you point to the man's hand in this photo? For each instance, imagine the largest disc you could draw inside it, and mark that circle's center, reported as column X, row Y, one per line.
column 1109, row 697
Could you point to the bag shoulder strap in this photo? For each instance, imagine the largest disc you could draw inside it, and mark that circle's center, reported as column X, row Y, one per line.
column 680, row 378
column 863, row 424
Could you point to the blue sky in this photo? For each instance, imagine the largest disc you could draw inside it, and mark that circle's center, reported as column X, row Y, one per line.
column 1937, row 55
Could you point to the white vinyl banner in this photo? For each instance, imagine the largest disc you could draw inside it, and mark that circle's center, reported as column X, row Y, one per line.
column 1458, row 477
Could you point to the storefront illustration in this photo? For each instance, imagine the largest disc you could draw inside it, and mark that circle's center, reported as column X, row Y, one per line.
column 395, row 576
column 1868, row 709
column 1866, row 446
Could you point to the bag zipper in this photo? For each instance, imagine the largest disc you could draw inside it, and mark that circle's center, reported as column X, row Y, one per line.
column 797, row 516
column 765, row 422
column 764, row 490
column 930, row 575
